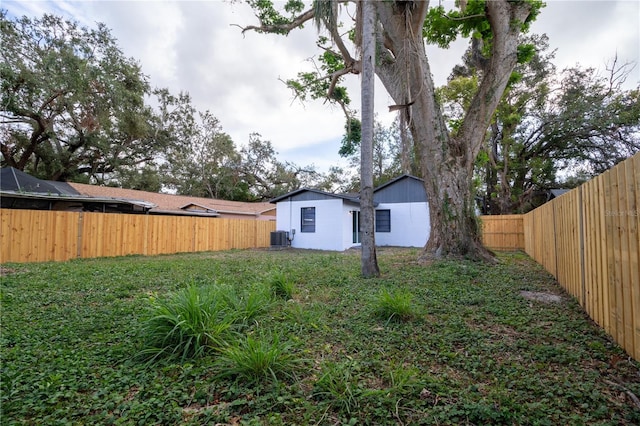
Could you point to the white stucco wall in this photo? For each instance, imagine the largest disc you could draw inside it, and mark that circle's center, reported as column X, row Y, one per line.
column 332, row 222
column 409, row 225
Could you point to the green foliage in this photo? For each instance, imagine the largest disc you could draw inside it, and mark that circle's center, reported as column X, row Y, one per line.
column 387, row 154
column 268, row 14
column 546, row 125
column 442, row 27
column 70, row 332
column 248, row 305
column 456, row 97
column 211, row 166
column 351, row 139
column 73, row 103
column 146, row 178
column 338, row 385
column 294, row 6
column 76, row 111
column 394, row 305
column 526, row 52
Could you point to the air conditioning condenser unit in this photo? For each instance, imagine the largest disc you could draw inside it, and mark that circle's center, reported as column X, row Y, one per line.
column 279, row 239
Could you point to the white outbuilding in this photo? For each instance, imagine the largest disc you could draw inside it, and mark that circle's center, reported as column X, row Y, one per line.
column 314, row 219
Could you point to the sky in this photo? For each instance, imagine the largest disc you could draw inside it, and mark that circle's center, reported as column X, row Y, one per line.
column 197, row 47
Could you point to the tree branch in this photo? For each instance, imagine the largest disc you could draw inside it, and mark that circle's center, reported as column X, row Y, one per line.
column 503, row 18
column 281, row 29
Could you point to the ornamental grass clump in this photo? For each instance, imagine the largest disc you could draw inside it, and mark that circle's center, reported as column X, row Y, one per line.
column 282, row 285
column 247, row 305
column 258, row 358
column 187, row 323
column 339, row 385
column 396, row 305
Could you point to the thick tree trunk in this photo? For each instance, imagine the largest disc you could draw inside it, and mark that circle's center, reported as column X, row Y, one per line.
column 447, row 162
column 452, row 209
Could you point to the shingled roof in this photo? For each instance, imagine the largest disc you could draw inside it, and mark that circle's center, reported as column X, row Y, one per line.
column 182, row 204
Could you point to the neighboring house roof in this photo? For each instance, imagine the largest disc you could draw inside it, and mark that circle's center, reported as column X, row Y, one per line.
column 405, row 188
column 182, row 204
column 21, row 190
column 315, row 194
column 558, row 192
column 15, row 180
column 75, row 198
column 63, row 187
column 399, row 178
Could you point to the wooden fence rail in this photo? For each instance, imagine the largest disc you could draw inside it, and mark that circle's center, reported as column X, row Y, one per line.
column 588, row 239
column 40, row 236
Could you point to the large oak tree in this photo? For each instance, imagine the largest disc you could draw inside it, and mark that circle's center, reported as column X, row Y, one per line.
column 402, row 27
column 72, row 103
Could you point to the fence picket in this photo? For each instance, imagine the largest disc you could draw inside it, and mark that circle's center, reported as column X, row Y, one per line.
column 601, row 232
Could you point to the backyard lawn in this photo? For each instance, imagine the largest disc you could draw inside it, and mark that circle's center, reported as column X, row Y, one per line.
column 299, row 338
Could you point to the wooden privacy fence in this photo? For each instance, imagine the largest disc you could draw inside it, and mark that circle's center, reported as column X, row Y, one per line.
column 588, row 239
column 504, row 232
column 39, row 236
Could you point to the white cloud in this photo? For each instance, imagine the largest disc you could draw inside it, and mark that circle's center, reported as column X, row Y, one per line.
column 591, row 33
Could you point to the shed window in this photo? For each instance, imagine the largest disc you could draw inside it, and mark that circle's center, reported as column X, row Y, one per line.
column 308, row 219
column 383, row 220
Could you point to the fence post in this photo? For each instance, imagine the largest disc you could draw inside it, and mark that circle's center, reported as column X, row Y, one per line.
column 80, row 223
column 555, row 241
column 581, row 254
column 145, row 235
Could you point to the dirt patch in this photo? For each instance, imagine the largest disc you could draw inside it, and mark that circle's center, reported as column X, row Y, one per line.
column 541, row 296
column 6, row 271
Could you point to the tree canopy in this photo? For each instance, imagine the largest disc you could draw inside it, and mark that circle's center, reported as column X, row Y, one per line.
column 551, row 129
column 74, row 108
column 72, row 103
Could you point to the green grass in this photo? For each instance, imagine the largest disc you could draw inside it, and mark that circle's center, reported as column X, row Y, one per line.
column 470, row 351
column 281, row 285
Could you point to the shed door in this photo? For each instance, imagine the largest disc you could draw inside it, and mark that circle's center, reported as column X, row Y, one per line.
column 355, row 218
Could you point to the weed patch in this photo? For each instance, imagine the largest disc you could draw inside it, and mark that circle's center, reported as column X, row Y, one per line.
column 255, row 358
